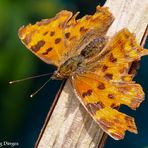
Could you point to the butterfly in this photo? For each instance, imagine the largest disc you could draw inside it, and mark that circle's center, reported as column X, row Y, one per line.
column 98, row 66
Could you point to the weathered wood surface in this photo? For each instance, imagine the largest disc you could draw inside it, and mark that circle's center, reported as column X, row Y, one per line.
column 68, row 125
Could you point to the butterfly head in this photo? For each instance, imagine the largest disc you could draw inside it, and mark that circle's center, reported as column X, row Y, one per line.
column 57, row 75
column 68, row 68
column 61, row 73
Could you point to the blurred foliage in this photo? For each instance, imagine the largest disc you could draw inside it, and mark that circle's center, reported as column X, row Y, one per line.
column 22, row 117
column 17, row 62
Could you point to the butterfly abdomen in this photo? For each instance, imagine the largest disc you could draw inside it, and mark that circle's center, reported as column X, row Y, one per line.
column 94, row 47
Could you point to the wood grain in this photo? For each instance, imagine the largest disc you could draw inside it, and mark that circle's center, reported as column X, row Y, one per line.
column 68, row 125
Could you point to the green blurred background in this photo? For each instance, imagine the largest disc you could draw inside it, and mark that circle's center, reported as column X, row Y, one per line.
column 21, row 118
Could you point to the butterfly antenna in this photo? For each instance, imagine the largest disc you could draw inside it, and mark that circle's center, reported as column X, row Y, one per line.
column 32, row 95
column 28, row 78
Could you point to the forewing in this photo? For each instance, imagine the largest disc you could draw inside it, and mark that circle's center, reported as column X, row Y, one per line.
column 80, row 32
column 57, row 39
column 46, row 38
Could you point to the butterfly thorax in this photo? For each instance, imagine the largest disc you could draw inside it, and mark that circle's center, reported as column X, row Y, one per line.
column 77, row 64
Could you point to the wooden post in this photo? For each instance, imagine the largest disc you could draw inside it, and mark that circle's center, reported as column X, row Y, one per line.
column 68, row 125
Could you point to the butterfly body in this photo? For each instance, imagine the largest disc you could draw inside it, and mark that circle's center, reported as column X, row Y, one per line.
column 77, row 64
column 97, row 66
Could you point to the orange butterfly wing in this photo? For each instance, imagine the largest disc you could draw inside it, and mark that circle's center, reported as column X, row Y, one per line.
column 80, row 32
column 52, row 39
column 45, row 38
column 105, row 87
column 99, row 97
column 114, row 60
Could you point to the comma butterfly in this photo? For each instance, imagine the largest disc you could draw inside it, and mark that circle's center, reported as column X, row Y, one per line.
column 97, row 65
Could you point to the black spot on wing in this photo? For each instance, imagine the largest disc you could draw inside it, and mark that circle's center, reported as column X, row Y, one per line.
column 108, row 76
column 111, row 96
column 87, row 93
column 57, row 40
column 112, row 58
column 93, row 107
column 45, row 33
column 37, row 47
column 67, row 35
column 104, row 68
column 47, row 51
column 101, row 86
column 52, row 33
